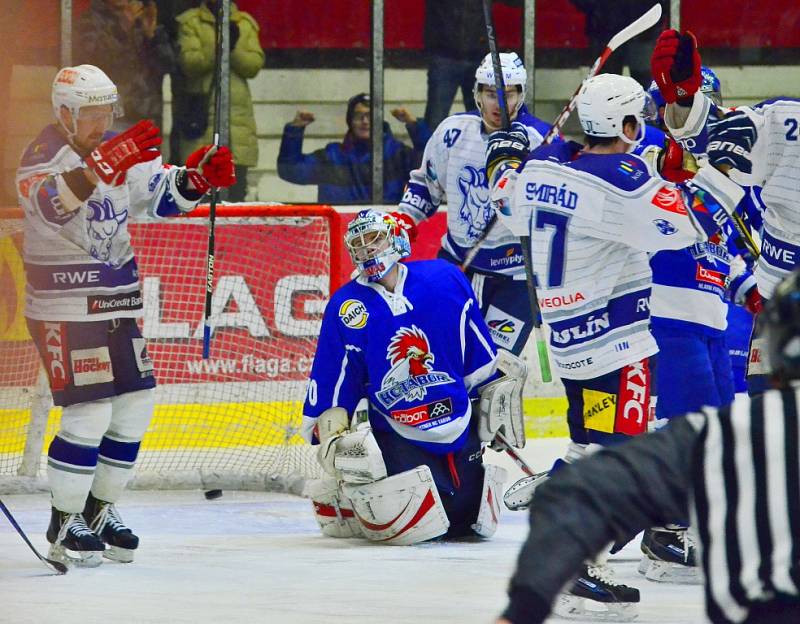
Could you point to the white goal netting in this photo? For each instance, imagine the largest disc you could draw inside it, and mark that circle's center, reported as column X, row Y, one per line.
column 230, row 420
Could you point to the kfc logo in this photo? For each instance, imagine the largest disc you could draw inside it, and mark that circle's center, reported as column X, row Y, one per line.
column 55, row 352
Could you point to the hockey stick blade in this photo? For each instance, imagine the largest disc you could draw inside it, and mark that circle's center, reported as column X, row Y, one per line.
column 57, row 566
column 648, row 20
column 636, row 27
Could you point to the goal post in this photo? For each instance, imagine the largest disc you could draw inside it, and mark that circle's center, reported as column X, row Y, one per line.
column 231, row 420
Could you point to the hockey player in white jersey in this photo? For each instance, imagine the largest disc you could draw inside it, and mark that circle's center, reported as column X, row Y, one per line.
column 410, row 338
column 79, row 185
column 453, row 170
column 593, row 214
column 760, row 145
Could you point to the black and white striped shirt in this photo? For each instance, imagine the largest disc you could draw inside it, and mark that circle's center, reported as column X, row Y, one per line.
column 747, row 503
column 737, row 470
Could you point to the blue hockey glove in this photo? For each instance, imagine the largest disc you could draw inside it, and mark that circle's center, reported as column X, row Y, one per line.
column 730, row 141
column 506, row 148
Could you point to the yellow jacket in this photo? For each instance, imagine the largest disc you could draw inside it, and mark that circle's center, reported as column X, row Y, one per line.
column 196, row 37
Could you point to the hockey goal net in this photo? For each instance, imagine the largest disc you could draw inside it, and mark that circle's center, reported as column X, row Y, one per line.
column 231, row 420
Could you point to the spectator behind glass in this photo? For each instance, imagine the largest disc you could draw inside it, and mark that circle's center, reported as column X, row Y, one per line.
column 455, row 42
column 343, row 170
column 124, row 39
column 196, row 39
column 604, row 19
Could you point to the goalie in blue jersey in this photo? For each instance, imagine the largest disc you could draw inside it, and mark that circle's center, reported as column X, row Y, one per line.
column 410, row 339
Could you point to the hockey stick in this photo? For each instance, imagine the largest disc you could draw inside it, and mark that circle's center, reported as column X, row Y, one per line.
column 512, row 453
column 59, row 567
column 633, row 29
column 525, row 241
column 212, row 212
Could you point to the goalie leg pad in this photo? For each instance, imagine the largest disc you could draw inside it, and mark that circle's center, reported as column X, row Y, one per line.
column 400, row 510
column 332, row 509
column 501, row 403
column 494, row 477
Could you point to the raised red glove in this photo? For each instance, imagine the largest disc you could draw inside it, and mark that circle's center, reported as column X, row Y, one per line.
column 407, row 223
column 675, row 65
column 753, row 301
column 215, row 169
column 111, row 159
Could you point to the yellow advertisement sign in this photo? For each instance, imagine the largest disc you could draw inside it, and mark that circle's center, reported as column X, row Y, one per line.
column 12, row 293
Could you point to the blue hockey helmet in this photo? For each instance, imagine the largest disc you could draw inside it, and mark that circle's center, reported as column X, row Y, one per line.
column 376, row 242
column 711, row 85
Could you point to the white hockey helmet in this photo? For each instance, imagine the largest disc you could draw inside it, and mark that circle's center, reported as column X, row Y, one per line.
column 376, row 242
column 604, row 101
column 84, row 85
column 514, row 75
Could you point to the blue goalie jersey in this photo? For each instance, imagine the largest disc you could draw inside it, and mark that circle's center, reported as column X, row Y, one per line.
column 418, row 355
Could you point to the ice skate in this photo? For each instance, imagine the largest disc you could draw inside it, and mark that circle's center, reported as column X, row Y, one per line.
column 104, row 519
column 596, row 595
column 72, row 542
column 669, row 556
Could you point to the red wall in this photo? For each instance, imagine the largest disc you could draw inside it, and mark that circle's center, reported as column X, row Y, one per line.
column 346, row 23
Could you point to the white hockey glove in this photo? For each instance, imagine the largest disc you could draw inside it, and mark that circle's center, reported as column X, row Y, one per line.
column 358, row 459
column 501, row 404
column 331, row 425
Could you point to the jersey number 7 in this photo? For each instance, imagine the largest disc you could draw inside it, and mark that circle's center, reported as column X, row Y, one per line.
column 557, row 221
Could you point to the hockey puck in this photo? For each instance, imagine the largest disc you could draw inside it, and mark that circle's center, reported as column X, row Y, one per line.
column 212, row 494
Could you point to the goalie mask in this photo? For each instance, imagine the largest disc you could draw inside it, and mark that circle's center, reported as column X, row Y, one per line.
column 376, row 242
column 606, row 100
column 84, row 85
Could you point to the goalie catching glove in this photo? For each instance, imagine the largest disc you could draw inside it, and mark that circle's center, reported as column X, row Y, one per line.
column 111, row 160
column 501, row 404
column 210, row 166
column 353, row 457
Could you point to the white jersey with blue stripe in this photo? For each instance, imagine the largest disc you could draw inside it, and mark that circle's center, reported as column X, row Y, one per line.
column 453, row 170
column 592, row 222
column 418, row 354
column 80, row 265
column 689, row 284
column 775, row 157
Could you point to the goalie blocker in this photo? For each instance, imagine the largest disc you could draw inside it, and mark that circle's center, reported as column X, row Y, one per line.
column 424, row 496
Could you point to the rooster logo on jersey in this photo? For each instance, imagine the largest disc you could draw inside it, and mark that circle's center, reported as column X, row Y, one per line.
column 412, row 368
column 475, row 210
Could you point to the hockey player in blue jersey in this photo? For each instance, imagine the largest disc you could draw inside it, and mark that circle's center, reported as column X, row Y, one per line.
column 453, row 170
column 410, row 339
column 594, row 213
column 79, row 185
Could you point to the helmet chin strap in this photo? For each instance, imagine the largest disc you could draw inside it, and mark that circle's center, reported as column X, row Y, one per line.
column 71, row 134
column 632, row 143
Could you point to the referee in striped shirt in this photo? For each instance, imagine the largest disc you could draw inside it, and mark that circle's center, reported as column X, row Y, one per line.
column 735, row 472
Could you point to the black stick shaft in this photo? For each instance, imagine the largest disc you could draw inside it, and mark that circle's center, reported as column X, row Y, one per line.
column 212, row 212
column 55, row 565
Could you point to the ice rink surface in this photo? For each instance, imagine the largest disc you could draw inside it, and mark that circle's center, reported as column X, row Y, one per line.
column 258, row 557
